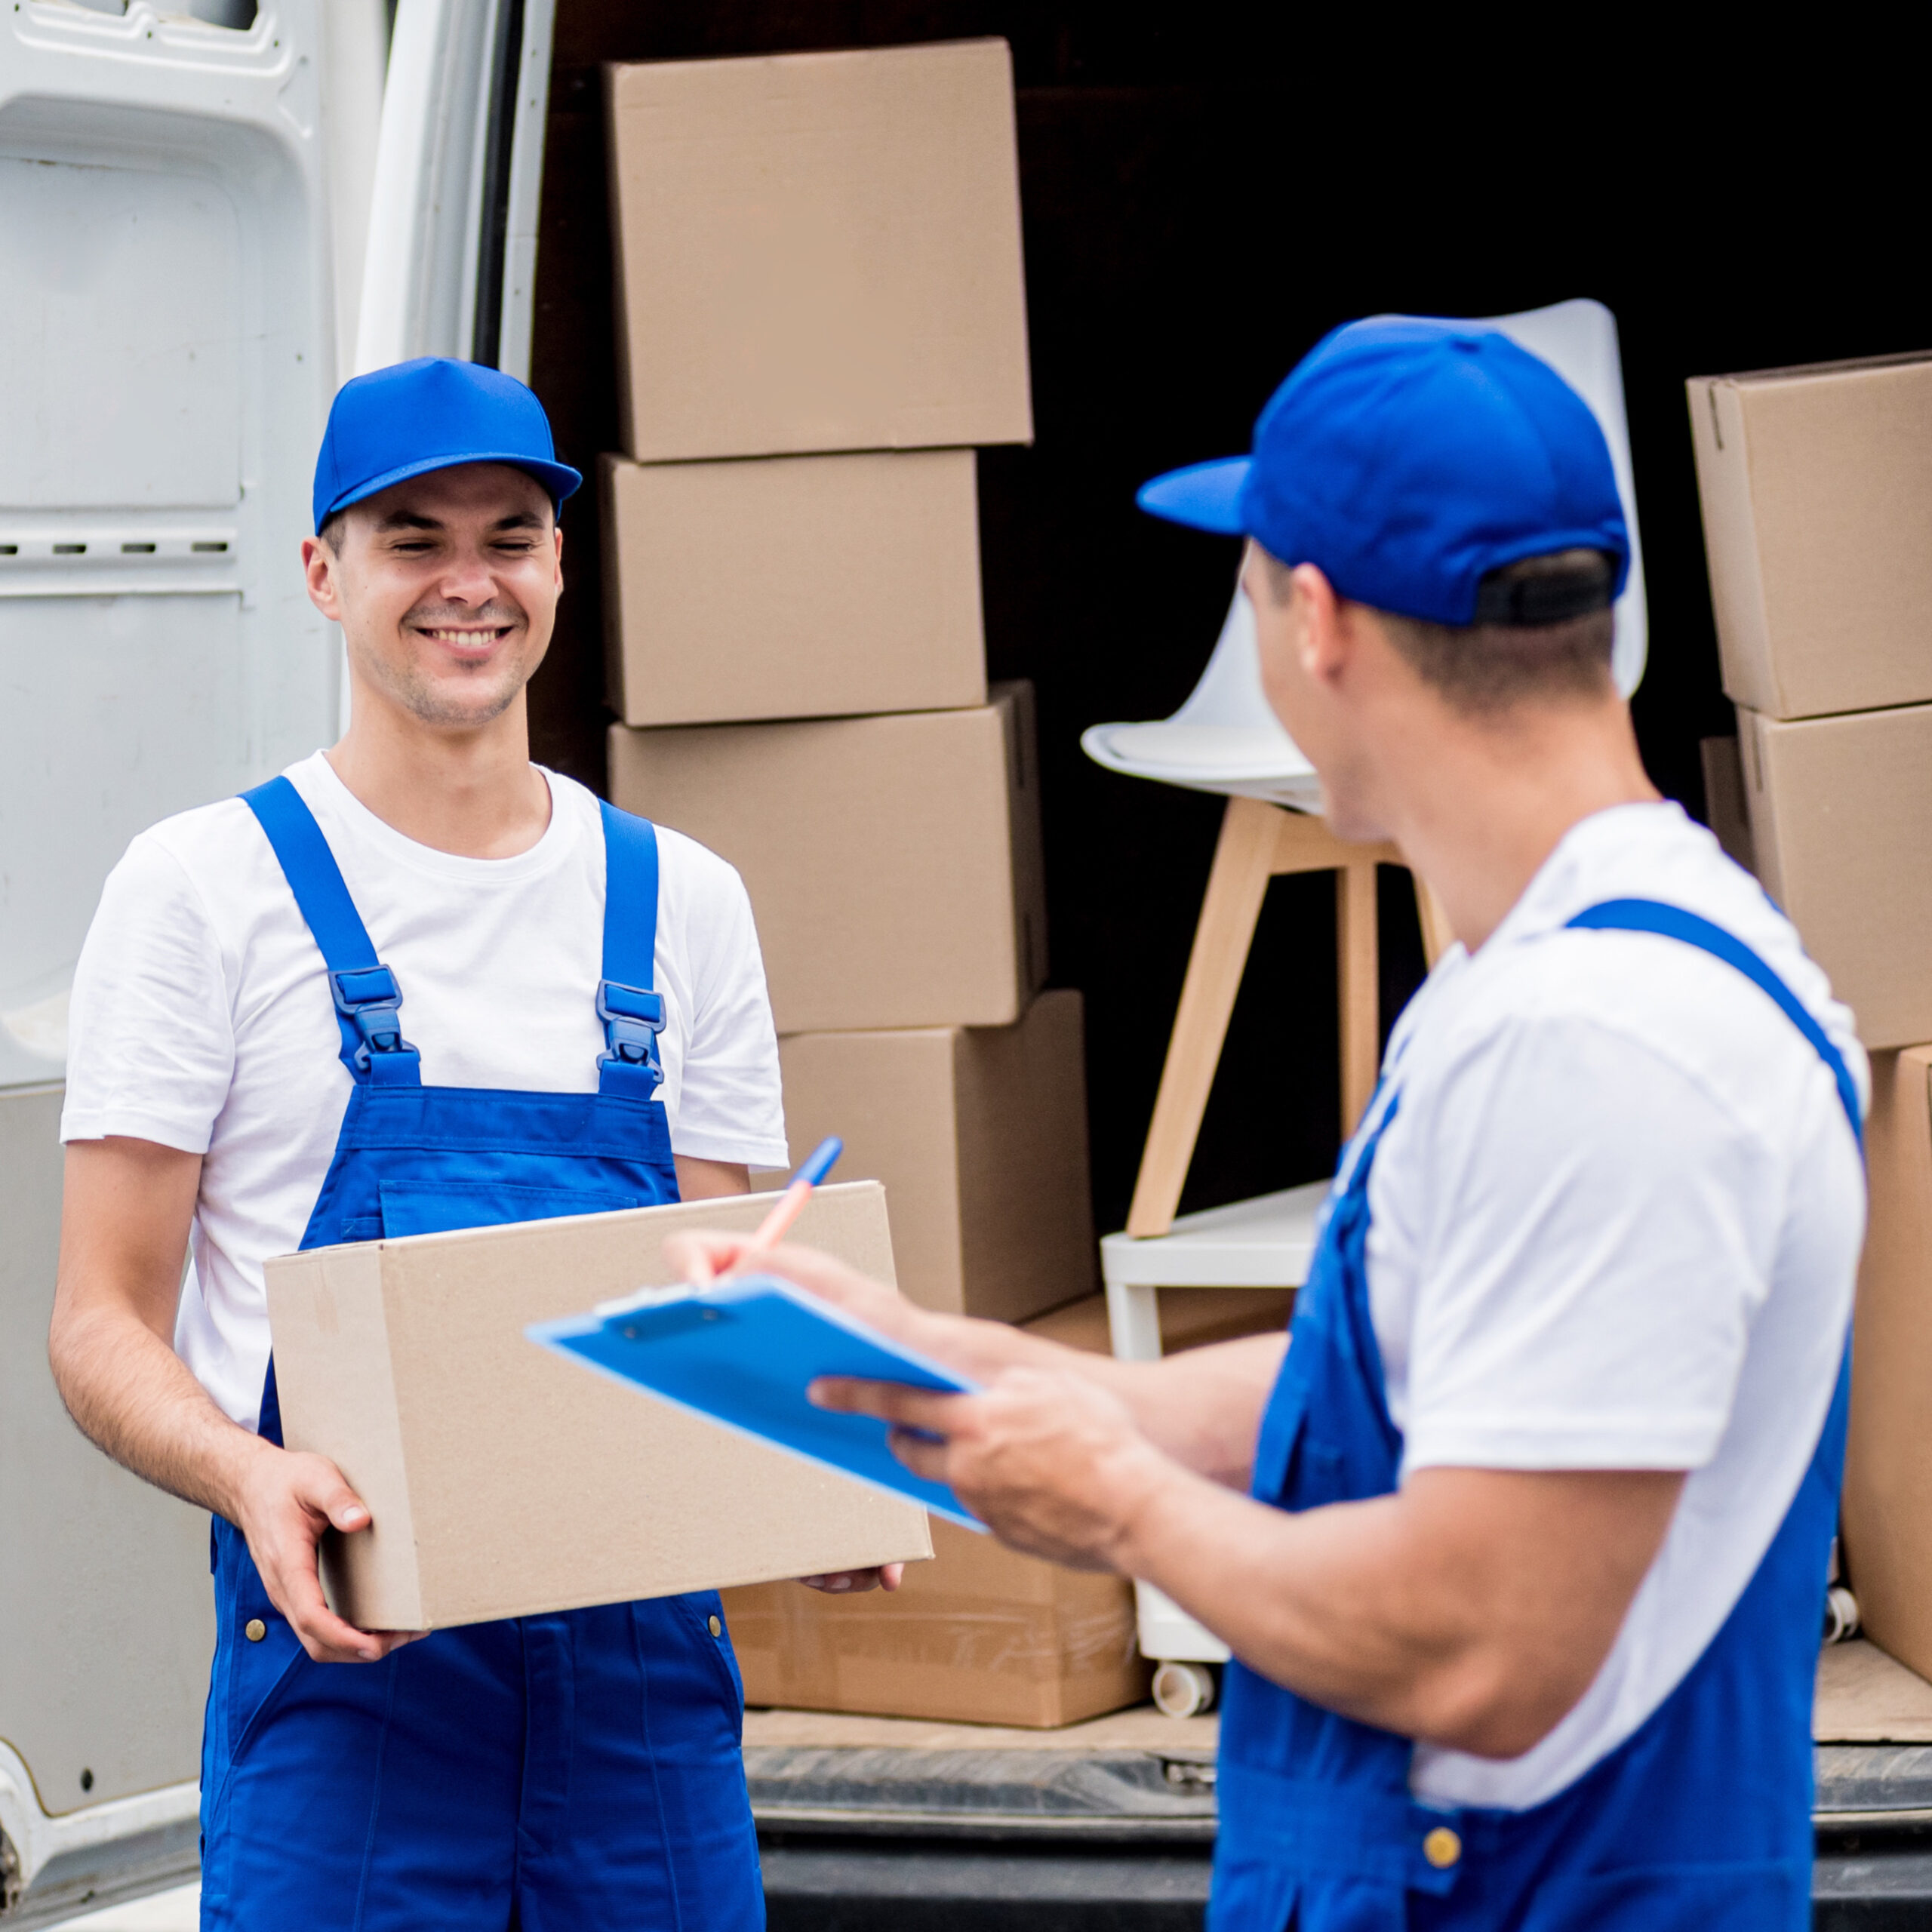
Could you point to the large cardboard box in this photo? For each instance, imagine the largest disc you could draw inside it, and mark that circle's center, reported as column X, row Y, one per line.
column 980, row 1134
column 1887, row 1516
column 981, row 1635
column 804, row 586
column 818, row 251
column 1816, row 487
column 505, row 1480
column 1840, row 809
column 893, row 864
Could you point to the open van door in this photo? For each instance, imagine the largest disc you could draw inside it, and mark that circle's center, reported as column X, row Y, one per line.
column 183, row 208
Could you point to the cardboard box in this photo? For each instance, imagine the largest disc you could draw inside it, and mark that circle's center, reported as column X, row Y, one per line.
column 812, row 586
column 1886, row 1520
column 1816, row 488
column 1726, row 809
column 1190, row 1318
column 1840, row 809
column 893, row 864
column 505, row 1480
column 818, row 251
column 980, row 1134
column 981, row 1635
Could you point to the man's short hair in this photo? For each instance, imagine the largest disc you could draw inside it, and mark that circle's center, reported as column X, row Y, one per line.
column 1481, row 669
column 334, row 529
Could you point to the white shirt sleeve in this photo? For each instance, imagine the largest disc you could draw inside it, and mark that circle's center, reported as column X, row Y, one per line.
column 151, row 1035
column 1588, row 1263
column 731, row 1105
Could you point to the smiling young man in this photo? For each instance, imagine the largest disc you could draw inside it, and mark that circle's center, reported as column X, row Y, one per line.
column 1520, row 1545
column 415, row 982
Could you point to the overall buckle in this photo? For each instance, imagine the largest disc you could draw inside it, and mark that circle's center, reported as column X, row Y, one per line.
column 633, row 1016
column 368, row 998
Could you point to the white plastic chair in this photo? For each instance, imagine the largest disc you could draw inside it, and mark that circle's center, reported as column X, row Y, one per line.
column 1226, row 738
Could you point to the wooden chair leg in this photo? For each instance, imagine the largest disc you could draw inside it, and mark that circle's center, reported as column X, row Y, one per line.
column 1438, row 935
column 1243, row 862
column 1358, row 978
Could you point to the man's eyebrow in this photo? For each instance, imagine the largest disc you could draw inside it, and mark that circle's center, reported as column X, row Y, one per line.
column 407, row 520
column 519, row 520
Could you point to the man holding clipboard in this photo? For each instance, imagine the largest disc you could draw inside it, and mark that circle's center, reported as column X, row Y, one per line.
column 1521, row 1543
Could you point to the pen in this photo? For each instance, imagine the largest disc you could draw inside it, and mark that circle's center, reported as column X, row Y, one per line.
column 791, row 1204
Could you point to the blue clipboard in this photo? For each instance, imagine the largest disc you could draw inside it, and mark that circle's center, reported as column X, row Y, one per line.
column 742, row 1353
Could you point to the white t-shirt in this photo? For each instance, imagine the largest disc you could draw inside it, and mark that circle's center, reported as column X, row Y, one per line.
column 201, row 1017
column 1615, row 1224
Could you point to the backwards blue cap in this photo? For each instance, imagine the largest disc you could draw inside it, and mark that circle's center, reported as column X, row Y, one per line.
column 431, row 413
column 1406, row 458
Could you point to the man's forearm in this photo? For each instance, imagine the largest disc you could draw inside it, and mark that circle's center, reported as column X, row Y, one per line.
column 1471, row 1608
column 134, row 1396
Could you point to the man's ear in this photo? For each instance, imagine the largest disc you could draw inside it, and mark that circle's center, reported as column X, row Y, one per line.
column 1324, row 634
column 319, row 568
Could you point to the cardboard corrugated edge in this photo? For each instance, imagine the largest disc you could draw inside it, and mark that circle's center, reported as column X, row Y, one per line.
column 326, row 1310
column 1721, row 446
column 1760, row 803
column 610, row 468
column 1887, row 1515
column 614, row 200
column 1727, row 812
column 1027, row 1231
column 1021, row 721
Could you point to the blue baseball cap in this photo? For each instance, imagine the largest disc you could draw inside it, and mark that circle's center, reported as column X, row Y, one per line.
column 431, row 413
column 1406, row 458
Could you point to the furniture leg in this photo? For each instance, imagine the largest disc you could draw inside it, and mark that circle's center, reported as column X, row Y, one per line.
column 1133, row 1321
column 1243, row 862
column 1356, row 972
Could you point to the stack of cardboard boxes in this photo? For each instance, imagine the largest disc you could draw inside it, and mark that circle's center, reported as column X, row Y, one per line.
column 1817, row 489
column 822, row 312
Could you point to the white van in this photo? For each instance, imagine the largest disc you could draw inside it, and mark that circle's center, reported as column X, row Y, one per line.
column 190, row 263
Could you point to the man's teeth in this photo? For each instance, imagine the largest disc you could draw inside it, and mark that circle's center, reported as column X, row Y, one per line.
column 465, row 637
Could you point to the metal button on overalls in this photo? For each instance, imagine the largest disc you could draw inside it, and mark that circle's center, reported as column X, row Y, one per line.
column 254, row 1630
column 1442, row 1848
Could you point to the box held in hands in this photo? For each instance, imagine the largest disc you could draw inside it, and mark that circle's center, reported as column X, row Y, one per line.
column 504, row 1479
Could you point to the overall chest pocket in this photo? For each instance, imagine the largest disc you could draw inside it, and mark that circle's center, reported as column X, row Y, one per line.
column 440, row 1207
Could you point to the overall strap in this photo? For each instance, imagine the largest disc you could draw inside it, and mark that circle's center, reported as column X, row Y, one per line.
column 366, row 995
column 632, row 1013
column 1653, row 915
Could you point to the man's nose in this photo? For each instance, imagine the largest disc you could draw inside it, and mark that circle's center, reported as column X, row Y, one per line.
column 468, row 579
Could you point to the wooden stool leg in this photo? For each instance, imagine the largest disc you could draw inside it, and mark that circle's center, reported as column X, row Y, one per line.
column 1243, row 864
column 1358, row 981
column 1438, row 935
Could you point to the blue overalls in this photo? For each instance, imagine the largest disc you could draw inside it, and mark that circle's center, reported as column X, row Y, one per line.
column 1701, row 1819
column 546, row 1773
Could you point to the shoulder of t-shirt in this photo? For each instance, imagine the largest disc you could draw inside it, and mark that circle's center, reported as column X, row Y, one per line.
column 1663, row 994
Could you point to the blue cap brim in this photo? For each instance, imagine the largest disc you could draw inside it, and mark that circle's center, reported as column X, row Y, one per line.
column 1205, row 496
column 559, row 479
